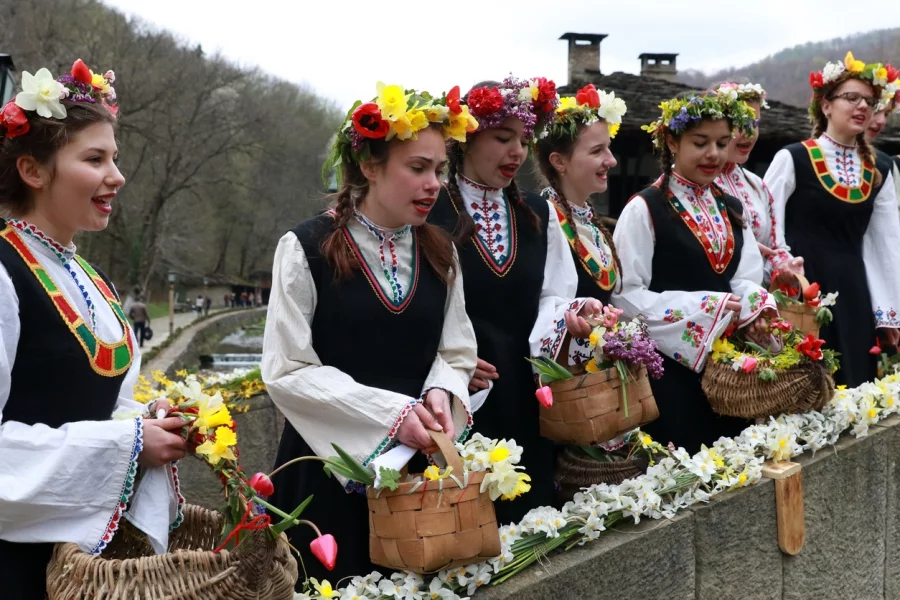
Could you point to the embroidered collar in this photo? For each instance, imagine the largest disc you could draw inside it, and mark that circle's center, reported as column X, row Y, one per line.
column 583, row 214
column 381, row 233
column 729, row 167
column 63, row 253
column 477, row 189
column 835, row 143
column 689, row 186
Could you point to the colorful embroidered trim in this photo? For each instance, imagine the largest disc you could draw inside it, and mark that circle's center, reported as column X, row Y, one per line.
column 108, row 360
column 373, row 281
column 484, row 251
column 719, row 264
column 179, row 509
column 357, row 487
column 127, row 488
column 886, row 318
column 840, row 191
column 605, row 277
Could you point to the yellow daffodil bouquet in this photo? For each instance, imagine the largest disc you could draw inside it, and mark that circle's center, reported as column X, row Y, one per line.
column 210, row 432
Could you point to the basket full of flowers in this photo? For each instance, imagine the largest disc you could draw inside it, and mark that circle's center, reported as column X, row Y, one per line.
column 792, row 374
column 805, row 307
column 609, row 394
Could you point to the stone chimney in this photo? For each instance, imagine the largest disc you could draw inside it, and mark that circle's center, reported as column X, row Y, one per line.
column 658, row 66
column 584, row 56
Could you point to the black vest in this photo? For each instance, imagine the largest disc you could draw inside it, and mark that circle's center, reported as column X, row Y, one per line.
column 679, row 261
column 392, row 350
column 53, row 383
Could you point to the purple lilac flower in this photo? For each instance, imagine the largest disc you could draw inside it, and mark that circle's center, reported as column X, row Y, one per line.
column 636, row 350
column 356, row 141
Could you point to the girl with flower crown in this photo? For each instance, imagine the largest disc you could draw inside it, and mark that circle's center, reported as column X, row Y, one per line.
column 367, row 341
column 690, row 263
column 509, row 245
column 68, row 358
column 887, row 106
column 751, row 190
column 835, row 205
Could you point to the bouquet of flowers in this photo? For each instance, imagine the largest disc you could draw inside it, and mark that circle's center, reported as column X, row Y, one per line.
column 624, row 346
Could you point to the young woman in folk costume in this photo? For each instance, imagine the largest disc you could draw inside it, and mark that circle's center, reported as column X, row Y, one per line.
column 690, row 264
column 507, row 252
column 68, row 358
column 367, row 341
column 887, row 106
column 751, row 190
column 835, row 205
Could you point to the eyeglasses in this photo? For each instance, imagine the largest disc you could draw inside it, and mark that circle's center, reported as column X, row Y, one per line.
column 854, row 98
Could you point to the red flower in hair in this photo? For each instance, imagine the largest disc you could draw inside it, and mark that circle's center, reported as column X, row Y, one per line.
column 546, row 94
column 815, row 79
column 453, row 100
column 14, row 120
column 811, row 347
column 485, row 101
column 588, row 95
column 81, row 73
column 368, row 123
column 892, row 73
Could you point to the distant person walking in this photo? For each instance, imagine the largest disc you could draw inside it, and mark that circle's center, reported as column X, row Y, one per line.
column 198, row 304
column 207, row 302
column 140, row 319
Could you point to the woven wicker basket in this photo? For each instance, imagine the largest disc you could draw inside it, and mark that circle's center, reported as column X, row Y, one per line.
column 801, row 316
column 587, row 409
column 738, row 394
column 435, row 529
column 259, row 569
column 574, row 472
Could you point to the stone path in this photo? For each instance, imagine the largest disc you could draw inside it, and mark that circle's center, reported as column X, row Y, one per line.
column 160, row 327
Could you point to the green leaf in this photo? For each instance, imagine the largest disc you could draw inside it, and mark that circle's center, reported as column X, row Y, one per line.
column 361, row 473
column 756, row 348
column 290, row 520
column 550, row 369
column 597, row 454
column 390, row 478
column 824, row 316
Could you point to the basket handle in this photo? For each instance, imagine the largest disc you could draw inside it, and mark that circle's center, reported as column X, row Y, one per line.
column 448, row 450
column 803, row 281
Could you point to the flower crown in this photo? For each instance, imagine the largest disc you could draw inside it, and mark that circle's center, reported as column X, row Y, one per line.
column 679, row 113
column 884, row 79
column 44, row 95
column 531, row 101
column 399, row 113
column 588, row 106
column 748, row 92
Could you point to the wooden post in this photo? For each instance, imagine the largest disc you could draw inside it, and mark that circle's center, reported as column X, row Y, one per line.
column 788, row 504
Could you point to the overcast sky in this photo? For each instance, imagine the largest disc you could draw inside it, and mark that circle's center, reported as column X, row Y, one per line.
column 340, row 48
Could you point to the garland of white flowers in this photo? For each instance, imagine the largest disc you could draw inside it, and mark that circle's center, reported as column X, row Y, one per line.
column 673, row 484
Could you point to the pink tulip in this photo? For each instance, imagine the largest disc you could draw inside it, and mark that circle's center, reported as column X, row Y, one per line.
column 262, row 485
column 748, row 365
column 545, row 396
column 874, row 350
column 325, row 548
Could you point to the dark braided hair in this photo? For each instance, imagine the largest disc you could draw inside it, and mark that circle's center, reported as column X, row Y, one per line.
column 434, row 243
column 465, row 225
column 565, row 144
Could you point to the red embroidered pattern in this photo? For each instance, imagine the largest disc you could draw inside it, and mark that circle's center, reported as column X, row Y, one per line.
column 703, row 223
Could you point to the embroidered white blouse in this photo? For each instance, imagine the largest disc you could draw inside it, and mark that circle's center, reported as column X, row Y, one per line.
column 326, row 405
column 759, row 205
column 685, row 324
column 881, row 254
column 65, row 484
column 488, row 208
column 561, row 282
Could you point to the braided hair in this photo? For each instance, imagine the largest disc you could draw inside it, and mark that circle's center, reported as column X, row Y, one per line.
column 564, row 145
column 434, row 243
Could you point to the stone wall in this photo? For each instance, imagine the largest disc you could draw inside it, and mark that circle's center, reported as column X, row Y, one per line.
column 728, row 549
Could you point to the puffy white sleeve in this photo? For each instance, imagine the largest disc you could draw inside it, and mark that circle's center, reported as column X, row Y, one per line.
column 746, row 281
column 456, row 358
column 557, row 296
column 60, row 485
column 684, row 324
column 881, row 255
column 782, row 255
column 781, row 181
column 324, row 404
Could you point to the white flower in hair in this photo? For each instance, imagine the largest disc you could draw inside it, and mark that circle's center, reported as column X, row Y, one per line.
column 41, row 93
column 611, row 108
column 832, row 71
